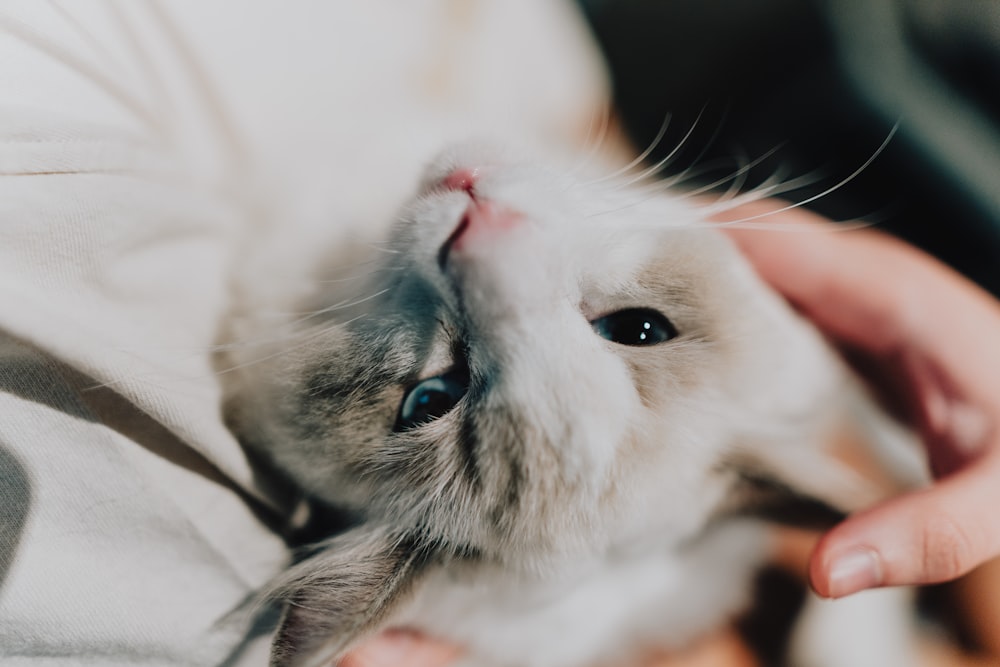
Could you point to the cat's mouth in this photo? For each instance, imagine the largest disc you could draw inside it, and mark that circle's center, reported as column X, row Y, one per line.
column 462, row 180
column 484, row 221
column 445, row 250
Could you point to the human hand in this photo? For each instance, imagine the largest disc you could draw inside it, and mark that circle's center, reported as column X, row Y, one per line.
column 401, row 648
column 930, row 340
column 406, row 649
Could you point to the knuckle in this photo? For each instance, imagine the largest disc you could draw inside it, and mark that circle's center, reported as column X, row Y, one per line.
column 947, row 547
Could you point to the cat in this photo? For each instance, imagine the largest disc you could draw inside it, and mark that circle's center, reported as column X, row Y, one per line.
column 553, row 408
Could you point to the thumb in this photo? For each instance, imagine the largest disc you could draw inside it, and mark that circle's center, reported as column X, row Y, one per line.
column 924, row 537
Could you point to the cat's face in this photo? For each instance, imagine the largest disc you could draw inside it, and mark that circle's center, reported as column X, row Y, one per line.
column 539, row 367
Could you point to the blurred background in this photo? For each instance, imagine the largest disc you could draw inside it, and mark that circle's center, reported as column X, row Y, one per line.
column 825, row 82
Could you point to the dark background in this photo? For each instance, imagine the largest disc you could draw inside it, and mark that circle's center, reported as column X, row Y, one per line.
column 827, row 81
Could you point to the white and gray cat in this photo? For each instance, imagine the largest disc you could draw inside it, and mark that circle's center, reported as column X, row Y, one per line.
column 552, row 407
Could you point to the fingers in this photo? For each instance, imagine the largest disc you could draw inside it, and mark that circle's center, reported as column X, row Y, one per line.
column 398, row 648
column 844, row 294
column 935, row 330
column 723, row 648
column 881, row 295
column 930, row 536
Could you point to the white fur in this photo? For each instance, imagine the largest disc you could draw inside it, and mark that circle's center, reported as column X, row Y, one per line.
column 593, row 611
column 870, row 629
column 626, row 454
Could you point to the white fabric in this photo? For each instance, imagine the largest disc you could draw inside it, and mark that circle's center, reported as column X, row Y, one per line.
column 145, row 149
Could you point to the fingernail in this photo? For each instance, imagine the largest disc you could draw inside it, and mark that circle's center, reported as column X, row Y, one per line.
column 855, row 570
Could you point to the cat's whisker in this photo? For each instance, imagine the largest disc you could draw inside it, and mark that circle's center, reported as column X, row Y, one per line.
column 148, row 381
column 740, row 175
column 658, row 189
column 352, row 278
column 383, row 247
column 774, row 184
column 826, row 192
column 591, row 124
column 342, row 305
column 595, row 148
column 348, row 279
column 304, row 337
column 304, row 316
column 623, row 207
column 662, row 164
column 290, row 329
column 682, row 176
column 278, row 336
column 773, row 187
column 690, row 173
column 837, row 226
column 738, row 181
column 355, row 273
column 639, row 159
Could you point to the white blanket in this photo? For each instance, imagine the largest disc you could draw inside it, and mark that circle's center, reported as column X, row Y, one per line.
column 146, row 149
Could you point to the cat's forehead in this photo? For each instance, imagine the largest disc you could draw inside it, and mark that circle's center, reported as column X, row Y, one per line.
column 592, row 248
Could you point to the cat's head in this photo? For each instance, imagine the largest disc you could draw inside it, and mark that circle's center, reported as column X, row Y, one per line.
column 536, row 369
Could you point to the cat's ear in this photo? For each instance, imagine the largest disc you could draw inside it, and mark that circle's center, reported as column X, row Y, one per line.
column 816, row 494
column 815, row 484
column 341, row 592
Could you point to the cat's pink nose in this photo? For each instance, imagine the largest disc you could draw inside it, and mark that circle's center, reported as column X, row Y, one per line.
column 463, row 178
column 483, row 220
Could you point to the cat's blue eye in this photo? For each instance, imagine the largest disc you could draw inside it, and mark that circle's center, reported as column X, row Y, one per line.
column 431, row 398
column 635, row 326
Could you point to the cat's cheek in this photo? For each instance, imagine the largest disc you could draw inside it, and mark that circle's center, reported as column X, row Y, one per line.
column 605, row 407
